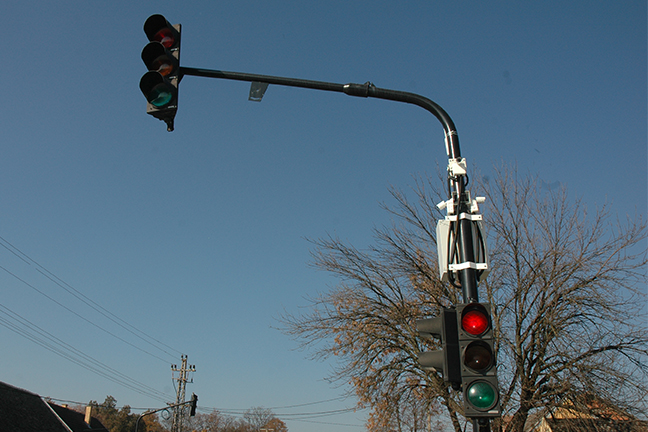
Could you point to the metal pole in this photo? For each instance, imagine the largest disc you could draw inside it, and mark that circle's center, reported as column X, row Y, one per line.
column 359, row 90
column 467, row 277
column 458, row 193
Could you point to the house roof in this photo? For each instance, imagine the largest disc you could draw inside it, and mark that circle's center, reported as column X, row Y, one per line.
column 76, row 420
column 596, row 425
column 24, row 411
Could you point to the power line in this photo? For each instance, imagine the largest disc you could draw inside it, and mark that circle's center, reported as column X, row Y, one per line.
column 292, row 416
column 242, row 411
column 32, row 332
column 38, row 335
column 305, row 420
column 89, row 302
column 79, row 315
column 316, row 414
column 309, row 403
column 332, row 423
column 67, row 401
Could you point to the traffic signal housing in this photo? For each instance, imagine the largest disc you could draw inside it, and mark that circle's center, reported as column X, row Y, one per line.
column 478, row 361
column 445, row 360
column 194, row 403
column 162, row 59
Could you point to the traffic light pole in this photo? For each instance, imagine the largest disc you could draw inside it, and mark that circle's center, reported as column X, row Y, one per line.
column 463, row 262
column 467, row 276
column 360, row 90
column 459, row 197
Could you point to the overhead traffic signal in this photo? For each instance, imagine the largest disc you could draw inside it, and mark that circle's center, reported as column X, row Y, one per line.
column 162, row 58
column 194, row 403
column 445, row 360
column 478, row 361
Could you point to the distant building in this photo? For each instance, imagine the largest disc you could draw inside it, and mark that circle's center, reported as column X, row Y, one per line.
column 24, row 411
column 589, row 414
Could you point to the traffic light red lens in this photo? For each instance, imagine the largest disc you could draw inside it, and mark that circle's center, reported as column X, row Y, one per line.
column 474, row 322
column 165, row 37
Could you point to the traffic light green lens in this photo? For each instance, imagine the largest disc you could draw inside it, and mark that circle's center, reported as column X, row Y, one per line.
column 160, row 95
column 481, row 395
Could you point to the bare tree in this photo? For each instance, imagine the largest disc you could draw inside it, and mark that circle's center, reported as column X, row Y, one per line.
column 258, row 417
column 565, row 289
column 254, row 419
column 210, row 422
column 568, row 291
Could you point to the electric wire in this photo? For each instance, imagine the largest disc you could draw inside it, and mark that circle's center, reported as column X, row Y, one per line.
column 332, row 423
column 310, row 403
column 307, row 419
column 38, row 335
column 89, row 302
column 32, row 332
column 239, row 412
column 79, row 315
column 310, row 415
column 300, row 417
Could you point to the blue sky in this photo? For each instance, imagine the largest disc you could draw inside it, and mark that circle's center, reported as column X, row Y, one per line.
column 199, row 237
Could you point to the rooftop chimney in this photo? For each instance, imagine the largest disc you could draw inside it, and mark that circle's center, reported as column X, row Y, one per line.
column 88, row 415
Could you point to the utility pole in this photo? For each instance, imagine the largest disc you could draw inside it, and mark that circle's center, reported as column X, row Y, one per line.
column 179, row 410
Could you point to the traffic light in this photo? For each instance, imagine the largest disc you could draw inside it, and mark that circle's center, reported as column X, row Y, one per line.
column 194, row 402
column 162, row 58
column 445, row 360
column 478, row 361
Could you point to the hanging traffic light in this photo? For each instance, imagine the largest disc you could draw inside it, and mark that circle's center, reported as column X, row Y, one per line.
column 445, row 360
column 194, row 403
column 478, row 361
column 162, row 58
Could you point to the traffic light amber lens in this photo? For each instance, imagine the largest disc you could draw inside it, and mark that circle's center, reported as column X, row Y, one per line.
column 159, row 95
column 478, row 356
column 162, row 65
column 481, row 395
column 474, row 322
